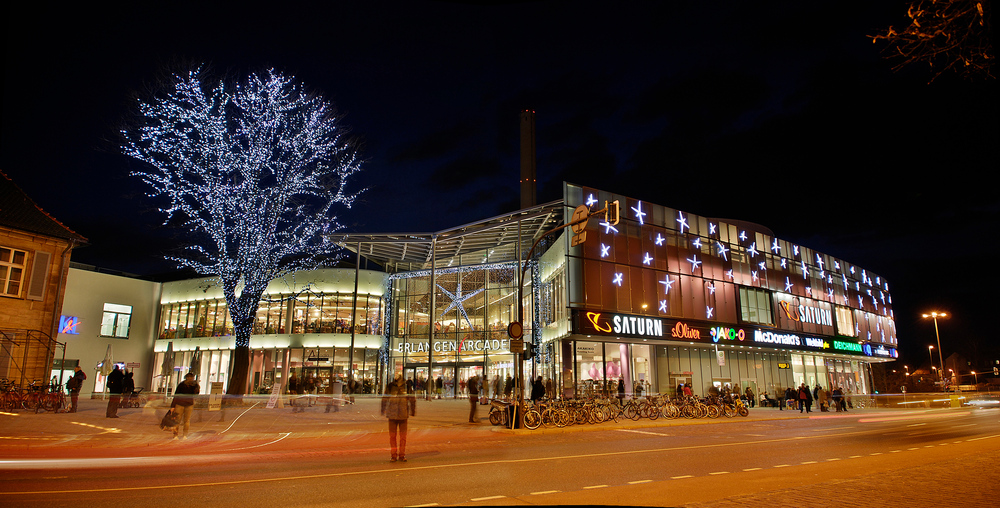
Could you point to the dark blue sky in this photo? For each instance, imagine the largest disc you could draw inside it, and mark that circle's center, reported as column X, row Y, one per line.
column 781, row 113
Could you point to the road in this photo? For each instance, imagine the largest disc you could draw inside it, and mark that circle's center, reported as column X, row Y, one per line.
column 869, row 458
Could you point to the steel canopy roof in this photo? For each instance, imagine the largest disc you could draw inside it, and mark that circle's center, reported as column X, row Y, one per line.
column 492, row 240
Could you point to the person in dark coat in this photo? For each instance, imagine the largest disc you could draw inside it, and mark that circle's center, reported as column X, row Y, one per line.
column 508, row 386
column 116, row 382
column 398, row 405
column 183, row 402
column 537, row 389
column 473, row 387
column 75, row 384
column 128, row 388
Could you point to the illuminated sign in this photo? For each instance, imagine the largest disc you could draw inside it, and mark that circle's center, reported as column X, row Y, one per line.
column 784, row 339
column 67, row 325
column 847, row 346
column 446, row 346
column 683, row 331
column 721, row 332
column 807, row 314
column 618, row 324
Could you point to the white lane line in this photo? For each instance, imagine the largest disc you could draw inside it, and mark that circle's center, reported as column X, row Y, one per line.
column 595, row 487
column 643, row 432
column 911, row 449
column 639, row 481
column 681, row 477
column 422, row 505
column 809, row 462
column 854, row 457
column 833, row 459
column 753, row 469
column 984, row 437
column 719, row 472
column 544, row 492
column 876, row 453
column 916, row 424
column 966, row 425
column 783, row 465
column 895, row 451
column 487, row 498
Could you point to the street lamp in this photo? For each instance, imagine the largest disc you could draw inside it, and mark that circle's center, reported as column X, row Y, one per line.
column 930, row 354
column 935, row 316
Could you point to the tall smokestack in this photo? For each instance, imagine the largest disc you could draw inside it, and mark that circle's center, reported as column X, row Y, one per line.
column 528, row 170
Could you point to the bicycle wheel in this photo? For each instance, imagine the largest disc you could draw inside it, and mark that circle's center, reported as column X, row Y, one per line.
column 562, row 418
column 47, row 402
column 30, row 401
column 548, row 417
column 532, row 420
column 713, row 411
column 495, row 417
column 743, row 411
column 652, row 411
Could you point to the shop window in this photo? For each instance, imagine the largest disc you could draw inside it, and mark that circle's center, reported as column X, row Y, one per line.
column 845, row 321
column 755, row 306
column 11, row 271
column 115, row 322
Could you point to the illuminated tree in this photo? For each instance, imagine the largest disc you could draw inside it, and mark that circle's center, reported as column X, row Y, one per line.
column 946, row 35
column 254, row 171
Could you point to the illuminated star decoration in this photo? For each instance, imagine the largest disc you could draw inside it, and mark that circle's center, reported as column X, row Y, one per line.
column 639, row 214
column 775, row 248
column 605, row 250
column 795, row 249
column 729, row 273
column 722, row 250
column 753, row 250
column 829, row 293
column 788, row 285
column 711, row 289
column 711, row 228
column 617, row 279
column 696, row 242
column 784, row 263
column 608, row 227
column 743, row 236
column 753, row 274
column 457, row 299
column 663, row 306
column 805, row 270
column 682, row 221
column 591, row 201
column 819, row 261
column 694, row 263
column 667, row 284
column 708, row 312
column 659, row 239
column 647, row 259
column 762, row 265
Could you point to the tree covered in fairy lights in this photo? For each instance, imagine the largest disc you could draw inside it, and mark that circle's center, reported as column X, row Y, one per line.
column 254, row 171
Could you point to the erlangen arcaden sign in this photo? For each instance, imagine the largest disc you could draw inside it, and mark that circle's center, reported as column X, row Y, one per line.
column 622, row 325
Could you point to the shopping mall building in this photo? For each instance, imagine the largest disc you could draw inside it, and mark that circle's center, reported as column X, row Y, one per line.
column 661, row 298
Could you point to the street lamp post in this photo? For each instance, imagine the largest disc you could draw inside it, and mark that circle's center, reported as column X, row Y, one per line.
column 930, row 354
column 935, row 316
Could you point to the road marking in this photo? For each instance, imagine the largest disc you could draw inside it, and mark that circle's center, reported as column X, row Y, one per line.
column 681, row 477
column 286, row 434
column 595, row 486
column 809, row 462
column 240, row 416
column 854, row 457
column 422, row 505
column 639, row 481
column 876, row 453
column 960, row 426
column 911, row 449
column 487, row 498
column 753, row 469
column 895, row 451
column 916, row 424
column 544, row 492
column 719, row 472
column 643, row 432
column 984, row 437
column 783, row 465
column 833, row 459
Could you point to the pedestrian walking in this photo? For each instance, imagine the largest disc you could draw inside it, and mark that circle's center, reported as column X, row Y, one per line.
column 750, row 398
column 473, row 387
column 439, row 386
column 397, row 406
column 508, row 387
column 129, row 388
column 537, row 389
column 75, row 384
column 183, row 402
column 822, row 398
column 116, row 381
column 294, row 389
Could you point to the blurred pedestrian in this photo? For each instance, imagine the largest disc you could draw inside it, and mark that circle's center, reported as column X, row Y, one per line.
column 294, row 389
column 397, row 406
column 473, row 387
column 750, row 398
column 183, row 402
column 116, row 381
column 508, row 387
column 537, row 389
column 75, row 384
column 128, row 389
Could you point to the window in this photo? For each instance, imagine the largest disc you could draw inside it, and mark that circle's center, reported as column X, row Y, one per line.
column 11, row 271
column 116, row 320
column 755, row 306
column 845, row 321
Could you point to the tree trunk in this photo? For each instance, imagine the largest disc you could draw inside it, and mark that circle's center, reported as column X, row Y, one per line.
column 241, row 367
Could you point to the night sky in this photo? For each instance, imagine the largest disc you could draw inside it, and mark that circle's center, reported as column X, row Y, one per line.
column 780, row 113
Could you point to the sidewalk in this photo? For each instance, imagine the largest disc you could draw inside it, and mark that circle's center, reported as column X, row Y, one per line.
column 138, row 427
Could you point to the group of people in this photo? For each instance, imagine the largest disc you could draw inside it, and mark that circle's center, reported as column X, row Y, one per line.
column 119, row 383
column 803, row 398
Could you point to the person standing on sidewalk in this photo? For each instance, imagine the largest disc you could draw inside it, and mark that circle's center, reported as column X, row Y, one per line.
column 397, row 406
column 116, row 381
column 184, row 401
column 473, row 387
column 75, row 384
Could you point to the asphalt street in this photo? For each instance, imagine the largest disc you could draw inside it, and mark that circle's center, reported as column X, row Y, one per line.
column 254, row 456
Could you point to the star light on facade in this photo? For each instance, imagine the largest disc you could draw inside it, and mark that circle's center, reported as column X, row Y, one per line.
column 788, row 285
column 753, row 275
column 708, row 312
column 617, row 278
column 694, row 263
column 667, row 284
column 753, row 250
column 639, row 214
column 605, row 250
column 647, row 259
column 608, row 227
column 775, row 248
column 663, row 306
column 711, row 289
column 805, row 270
column 819, row 261
column 729, row 273
column 743, row 236
column 697, row 243
column 682, row 222
column 784, row 263
column 659, row 239
column 591, row 201
column 722, row 250
column 711, row 228
column 457, row 301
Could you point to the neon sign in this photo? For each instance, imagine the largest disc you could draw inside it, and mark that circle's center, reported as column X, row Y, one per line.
column 847, row 346
column 683, row 331
column 721, row 332
column 626, row 325
column 67, row 325
column 807, row 313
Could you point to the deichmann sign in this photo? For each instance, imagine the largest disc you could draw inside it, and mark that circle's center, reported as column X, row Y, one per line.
column 447, row 346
